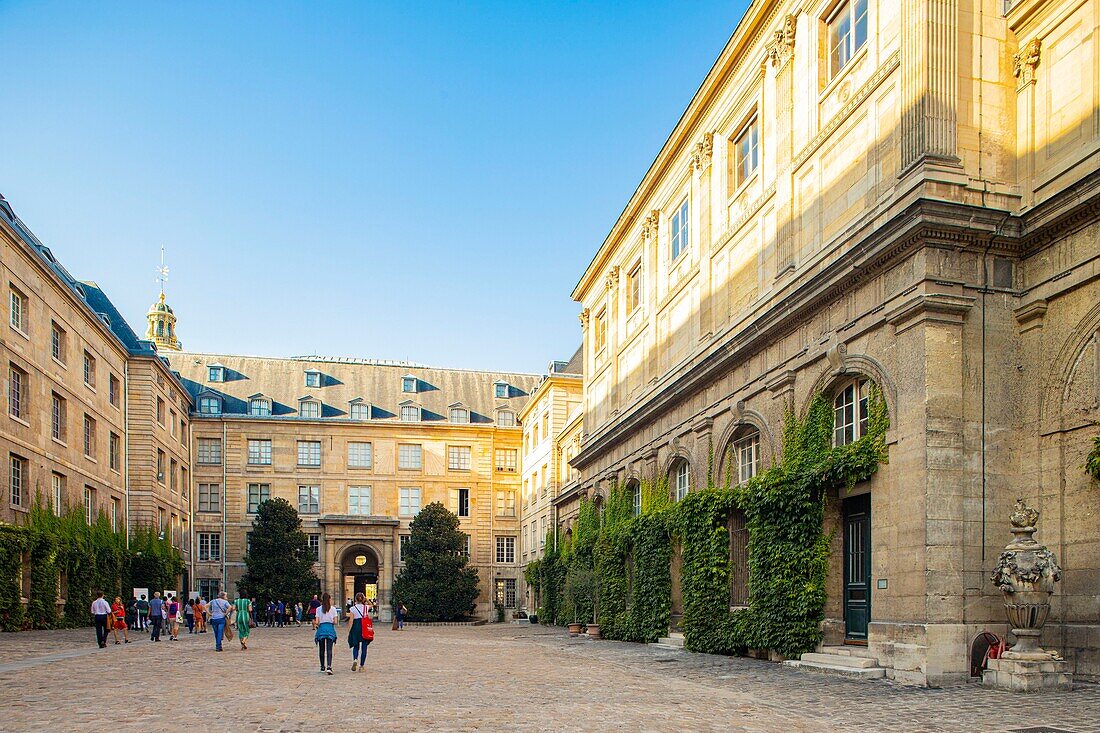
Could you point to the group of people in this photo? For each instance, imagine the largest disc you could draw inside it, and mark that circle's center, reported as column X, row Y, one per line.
column 280, row 613
column 158, row 613
column 360, row 630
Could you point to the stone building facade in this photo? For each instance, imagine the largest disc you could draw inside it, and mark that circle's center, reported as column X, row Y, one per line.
column 358, row 447
column 83, row 397
column 902, row 192
column 557, row 398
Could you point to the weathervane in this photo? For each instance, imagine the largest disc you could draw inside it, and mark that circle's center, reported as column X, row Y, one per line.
column 162, row 271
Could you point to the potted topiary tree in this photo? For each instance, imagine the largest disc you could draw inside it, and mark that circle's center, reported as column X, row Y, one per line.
column 578, row 590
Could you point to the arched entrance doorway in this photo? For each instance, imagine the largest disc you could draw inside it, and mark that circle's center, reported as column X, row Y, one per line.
column 359, row 568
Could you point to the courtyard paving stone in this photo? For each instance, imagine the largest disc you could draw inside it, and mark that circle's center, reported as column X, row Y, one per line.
column 490, row 678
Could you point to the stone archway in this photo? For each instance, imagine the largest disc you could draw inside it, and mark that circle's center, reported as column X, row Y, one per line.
column 359, row 568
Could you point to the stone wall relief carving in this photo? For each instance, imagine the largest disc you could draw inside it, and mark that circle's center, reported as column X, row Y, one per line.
column 702, row 152
column 649, row 227
column 1025, row 62
column 781, row 48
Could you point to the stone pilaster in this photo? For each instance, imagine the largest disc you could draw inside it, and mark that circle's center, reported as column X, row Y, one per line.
column 929, row 80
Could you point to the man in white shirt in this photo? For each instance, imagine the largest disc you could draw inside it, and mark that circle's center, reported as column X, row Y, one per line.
column 101, row 611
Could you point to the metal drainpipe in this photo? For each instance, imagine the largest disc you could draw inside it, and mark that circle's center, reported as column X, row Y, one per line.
column 190, row 508
column 225, row 579
column 126, row 443
column 492, row 514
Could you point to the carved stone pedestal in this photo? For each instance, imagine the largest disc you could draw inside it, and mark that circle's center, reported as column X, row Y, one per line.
column 1017, row 675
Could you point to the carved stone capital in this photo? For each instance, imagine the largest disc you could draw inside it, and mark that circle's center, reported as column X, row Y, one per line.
column 612, row 278
column 584, row 315
column 781, row 47
column 649, row 227
column 702, row 152
column 1025, row 62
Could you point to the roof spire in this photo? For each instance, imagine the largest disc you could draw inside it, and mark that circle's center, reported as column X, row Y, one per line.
column 162, row 321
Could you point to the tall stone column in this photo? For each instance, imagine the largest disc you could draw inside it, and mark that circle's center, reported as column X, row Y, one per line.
column 701, row 158
column 781, row 54
column 929, row 80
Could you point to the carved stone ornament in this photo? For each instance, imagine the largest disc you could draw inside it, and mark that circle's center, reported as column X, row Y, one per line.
column 612, row 277
column 584, row 317
column 782, row 46
column 1024, row 62
column 1026, row 573
column 701, row 154
column 649, row 227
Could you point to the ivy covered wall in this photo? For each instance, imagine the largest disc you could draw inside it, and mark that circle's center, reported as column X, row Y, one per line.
column 788, row 548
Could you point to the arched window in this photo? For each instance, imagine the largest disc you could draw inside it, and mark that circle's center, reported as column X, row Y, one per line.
column 850, row 411
column 746, row 455
column 681, row 479
column 506, row 419
column 635, row 489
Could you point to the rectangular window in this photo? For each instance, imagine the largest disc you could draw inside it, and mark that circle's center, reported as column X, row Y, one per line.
column 89, row 504
column 89, row 369
column 409, row 501
column 114, row 390
column 259, row 407
column 460, row 415
column 542, row 531
column 501, row 392
column 634, row 287
column 746, row 152
column 259, row 452
column 210, row 546
column 408, row 384
column 116, row 509
column 458, row 457
column 402, row 547
column 210, row 497
column 114, row 452
column 57, row 342
column 466, row 552
column 209, row 588
column 360, row 411
column 410, row 455
column 160, row 410
column 172, row 471
column 506, row 550
column 215, row 374
column 57, row 493
column 748, row 457
column 313, row 379
column 162, row 459
column 309, row 453
column 18, row 480
column 599, row 332
column 460, row 502
column 506, row 460
column 210, row 451
column 58, row 409
column 506, row 503
column 309, row 499
column 847, row 34
column 18, row 391
column 680, row 231
column 257, row 494
column 506, row 592
column 410, row 413
column 360, row 455
column 19, row 315
column 210, row 405
column 739, row 560
column 309, row 408
column 359, row 500
column 315, row 546
column 89, row 436
column 506, row 418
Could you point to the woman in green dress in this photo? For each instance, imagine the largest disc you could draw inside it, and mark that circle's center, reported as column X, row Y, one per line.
column 244, row 614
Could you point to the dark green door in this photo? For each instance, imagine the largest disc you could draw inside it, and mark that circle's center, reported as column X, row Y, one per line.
column 857, row 566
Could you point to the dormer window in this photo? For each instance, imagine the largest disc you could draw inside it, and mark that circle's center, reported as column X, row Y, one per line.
column 259, row 406
column 408, row 384
column 215, row 373
column 210, row 405
column 313, row 378
column 410, row 413
column 309, row 407
column 359, row 410
column 500, row 390
column 506, row 419
column 459, row 415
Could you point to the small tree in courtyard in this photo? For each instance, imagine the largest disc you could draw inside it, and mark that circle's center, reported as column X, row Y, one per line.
column 436, row 584
column 279, row 561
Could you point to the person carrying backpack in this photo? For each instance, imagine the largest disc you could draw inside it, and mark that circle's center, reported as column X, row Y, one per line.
column 360, row 631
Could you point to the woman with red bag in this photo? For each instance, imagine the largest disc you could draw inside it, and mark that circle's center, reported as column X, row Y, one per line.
column 360, row 631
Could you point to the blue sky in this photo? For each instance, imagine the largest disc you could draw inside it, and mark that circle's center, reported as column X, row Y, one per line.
column 418, row 181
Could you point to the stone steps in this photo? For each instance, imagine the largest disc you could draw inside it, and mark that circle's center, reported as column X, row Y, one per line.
column 672, row 641
column 841, row 665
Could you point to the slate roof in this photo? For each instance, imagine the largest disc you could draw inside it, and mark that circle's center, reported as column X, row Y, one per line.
column 378, row 383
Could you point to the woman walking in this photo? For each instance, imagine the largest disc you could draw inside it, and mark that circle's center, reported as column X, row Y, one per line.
column 360, row 631
column 325, row 634
column 173, row 609
column 219, row 609
column 189, row 615
column 118, row 613
column 244, row 615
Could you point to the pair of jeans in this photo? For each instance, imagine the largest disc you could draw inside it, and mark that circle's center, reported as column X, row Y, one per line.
column 157, row 622
column 324, row 649
column 359, row 652
column 101, row 629
column 219, row 630
column 190, row 624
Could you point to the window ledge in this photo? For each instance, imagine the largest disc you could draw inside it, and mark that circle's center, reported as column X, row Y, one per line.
column 832, row 84
column 60, row 363
column 19, row 420
column 21, row 332
column 90, row 458
column 744, row 185
column 62, row 443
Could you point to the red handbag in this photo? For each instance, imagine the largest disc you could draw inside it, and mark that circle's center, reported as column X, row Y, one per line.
column 368, row 628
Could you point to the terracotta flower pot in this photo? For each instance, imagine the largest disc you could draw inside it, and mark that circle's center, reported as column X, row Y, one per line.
column 575, row 629
column 594, row 631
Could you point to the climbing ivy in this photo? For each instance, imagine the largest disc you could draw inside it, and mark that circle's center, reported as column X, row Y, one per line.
column 783, row 508
column 1092, row 461
column 13, row 543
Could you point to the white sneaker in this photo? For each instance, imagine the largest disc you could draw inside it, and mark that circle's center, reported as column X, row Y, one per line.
column 329, row 670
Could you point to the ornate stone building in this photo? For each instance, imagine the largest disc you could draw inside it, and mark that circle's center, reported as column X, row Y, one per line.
column 902, row 192
column 95, row 418
column 358, row 447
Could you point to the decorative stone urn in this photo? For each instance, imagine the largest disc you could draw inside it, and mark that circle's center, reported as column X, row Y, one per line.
column 1026, row 573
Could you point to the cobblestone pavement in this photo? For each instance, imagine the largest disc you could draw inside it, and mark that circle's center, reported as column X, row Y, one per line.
column 494, row 678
